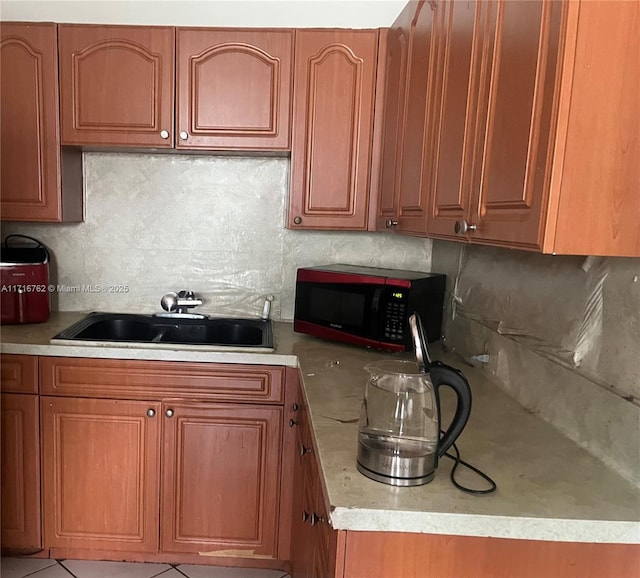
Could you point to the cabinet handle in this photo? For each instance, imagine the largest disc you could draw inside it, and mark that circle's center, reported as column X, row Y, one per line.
column 389, row 223
column 164, row 134
column 169, row 413
column 184, row 135
column 297, row 220
column 304, row 450
column 151, row 412
column 315, row 519
column 292, row 422
column 462, row 227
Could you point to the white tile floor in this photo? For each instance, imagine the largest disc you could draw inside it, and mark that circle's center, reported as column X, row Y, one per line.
column 42, row 568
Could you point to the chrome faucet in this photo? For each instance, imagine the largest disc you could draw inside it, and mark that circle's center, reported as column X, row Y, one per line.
column 178, row 304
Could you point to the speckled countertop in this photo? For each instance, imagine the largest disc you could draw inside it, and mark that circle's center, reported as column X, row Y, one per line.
column 548, row 487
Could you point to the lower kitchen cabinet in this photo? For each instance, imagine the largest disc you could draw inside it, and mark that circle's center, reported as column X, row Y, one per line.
column 319, row 551
column 20, row 496
column 314, row 542
column 20, row 455
column 221, row 478
column 101, row 467
column 187, row 475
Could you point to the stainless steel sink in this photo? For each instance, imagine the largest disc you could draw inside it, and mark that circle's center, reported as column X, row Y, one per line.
column 131, row 328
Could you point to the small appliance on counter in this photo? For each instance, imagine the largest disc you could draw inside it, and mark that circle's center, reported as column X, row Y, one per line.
column 367, row 305
column 400, row 436
column 24, row 276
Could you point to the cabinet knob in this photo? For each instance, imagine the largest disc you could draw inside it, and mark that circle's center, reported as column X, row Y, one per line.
column 462, row 227
column 292, row 422
column 304, row 450
column 315, row 519
column 306, row 516
column 295, row 406
column 183, row 135
column 169, row 413
column 151, row 412
column 164, row 134
column 297, row 220
column 389, row 223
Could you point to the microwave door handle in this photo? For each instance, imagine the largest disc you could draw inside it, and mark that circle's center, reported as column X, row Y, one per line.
column 376, row 309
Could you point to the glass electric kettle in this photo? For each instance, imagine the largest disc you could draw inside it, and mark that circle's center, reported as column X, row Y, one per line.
column 399, row 439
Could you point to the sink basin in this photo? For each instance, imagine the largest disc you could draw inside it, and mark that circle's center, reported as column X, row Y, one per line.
column 131, row 328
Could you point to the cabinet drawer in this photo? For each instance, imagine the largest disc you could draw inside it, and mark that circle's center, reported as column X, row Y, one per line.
column 132, row 379
column 19, row 373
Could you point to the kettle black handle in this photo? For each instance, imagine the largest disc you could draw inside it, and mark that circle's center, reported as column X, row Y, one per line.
column 442, row 374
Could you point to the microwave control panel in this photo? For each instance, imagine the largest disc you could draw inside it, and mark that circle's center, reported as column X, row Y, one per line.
column 395, row 314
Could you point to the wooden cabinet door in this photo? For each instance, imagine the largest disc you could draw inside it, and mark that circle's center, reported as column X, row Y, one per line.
column 333, row 106
column 221, row 478
column 413, row 178
column 456, row 106
column 30, row 180
column 301, row 535
column 233, row 88
column 20, row 456
column 18, row 373
column 117, row 85
column 392, row 141
column 516, row 108
column 101, row 465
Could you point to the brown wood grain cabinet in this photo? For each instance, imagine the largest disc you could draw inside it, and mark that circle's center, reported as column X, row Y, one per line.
column 117, row 85
column 408, row 141
column 537, row 136
column 314, row 542
column 101, row 467
column 227, row 497
column 396, row 55
column 185, row 459
column 20, row 455
column 319, row 551
column 38, row 180
column 233, row 88
column 332, row 138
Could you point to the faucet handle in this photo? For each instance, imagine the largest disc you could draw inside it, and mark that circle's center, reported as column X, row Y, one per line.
column 169, row 301
column 179, row 302
column 266, row 308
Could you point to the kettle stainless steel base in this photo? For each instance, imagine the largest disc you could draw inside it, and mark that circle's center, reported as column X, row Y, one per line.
column 376, row 462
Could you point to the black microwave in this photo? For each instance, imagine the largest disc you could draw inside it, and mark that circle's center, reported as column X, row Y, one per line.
column 366, row 305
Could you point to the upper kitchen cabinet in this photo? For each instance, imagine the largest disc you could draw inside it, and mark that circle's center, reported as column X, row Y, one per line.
column 332, row 137
column 538, row 136
column 453, row 121
column 407, row 141
column 233, row 88
column 32, row 166
column 117, row 85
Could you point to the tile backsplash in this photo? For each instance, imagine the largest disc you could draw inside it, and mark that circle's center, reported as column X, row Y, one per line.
column 212, row 224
